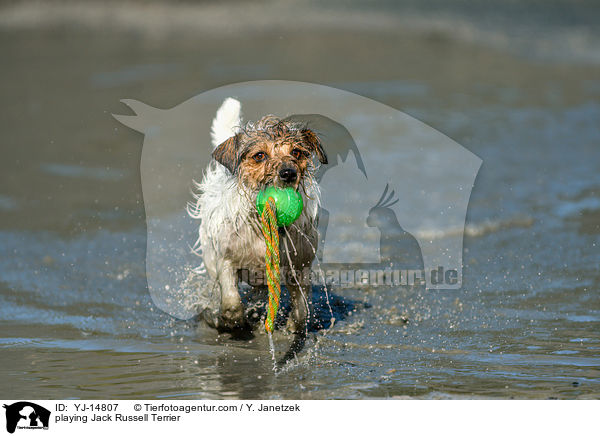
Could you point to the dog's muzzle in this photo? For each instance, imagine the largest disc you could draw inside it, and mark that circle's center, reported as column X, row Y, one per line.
column 288, row 175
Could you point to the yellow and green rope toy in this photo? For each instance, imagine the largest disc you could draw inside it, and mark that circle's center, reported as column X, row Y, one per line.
column 277, row 207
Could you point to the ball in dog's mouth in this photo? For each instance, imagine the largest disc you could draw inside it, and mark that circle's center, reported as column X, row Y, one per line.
column 288, row 202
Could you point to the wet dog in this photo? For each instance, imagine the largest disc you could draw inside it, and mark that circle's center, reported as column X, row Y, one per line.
column 246, row 159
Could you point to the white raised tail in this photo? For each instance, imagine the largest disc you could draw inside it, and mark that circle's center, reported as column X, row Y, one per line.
column 227, row 121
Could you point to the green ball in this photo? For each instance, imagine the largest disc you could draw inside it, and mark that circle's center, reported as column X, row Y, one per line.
column 288, row 202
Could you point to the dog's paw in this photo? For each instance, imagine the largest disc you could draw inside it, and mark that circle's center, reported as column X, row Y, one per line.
column 225, row 321
column 211, row 317
column 294, row 326
column 232, row 318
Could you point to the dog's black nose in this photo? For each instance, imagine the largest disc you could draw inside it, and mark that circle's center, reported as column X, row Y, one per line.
column 288, row 174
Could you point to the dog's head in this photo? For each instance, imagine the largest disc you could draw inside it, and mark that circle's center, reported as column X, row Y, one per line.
column 271, row 152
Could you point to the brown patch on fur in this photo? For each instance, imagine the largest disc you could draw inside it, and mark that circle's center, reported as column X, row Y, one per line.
column 313, row 140
column 278, row 155
column 226, row 153
column 262, row 150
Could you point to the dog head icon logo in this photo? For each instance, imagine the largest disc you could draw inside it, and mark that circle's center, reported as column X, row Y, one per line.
column 24, row 414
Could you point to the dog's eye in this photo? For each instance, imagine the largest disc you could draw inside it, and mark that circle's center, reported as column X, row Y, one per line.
column 297, row 153
column 260, row 156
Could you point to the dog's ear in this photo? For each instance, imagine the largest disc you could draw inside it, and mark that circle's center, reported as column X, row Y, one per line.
column 226, row 154
column 315, row 145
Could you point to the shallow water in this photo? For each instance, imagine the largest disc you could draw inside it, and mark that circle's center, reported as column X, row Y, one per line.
column 76, row 317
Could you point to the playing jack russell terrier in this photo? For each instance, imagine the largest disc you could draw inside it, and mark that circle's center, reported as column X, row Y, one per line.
column 271, row 155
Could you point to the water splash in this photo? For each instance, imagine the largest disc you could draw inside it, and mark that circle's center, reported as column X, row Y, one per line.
column 272, row 348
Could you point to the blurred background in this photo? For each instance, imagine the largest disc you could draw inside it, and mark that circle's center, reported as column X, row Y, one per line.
column 515, row 82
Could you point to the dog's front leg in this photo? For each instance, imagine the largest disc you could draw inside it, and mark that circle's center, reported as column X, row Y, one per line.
column 301, row 296
column 232, row 310
column 298, row 283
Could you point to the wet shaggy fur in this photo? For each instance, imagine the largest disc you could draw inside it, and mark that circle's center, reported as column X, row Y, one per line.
column 246, row 159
